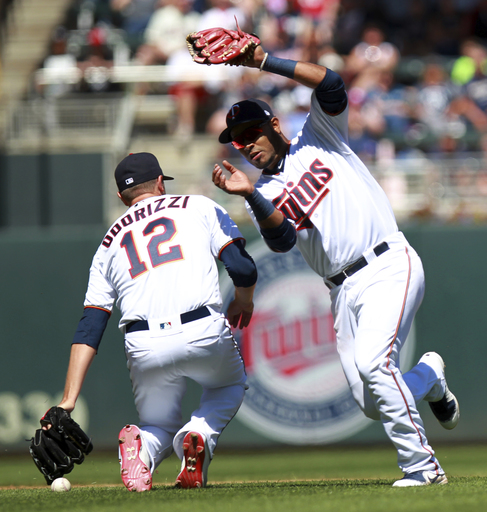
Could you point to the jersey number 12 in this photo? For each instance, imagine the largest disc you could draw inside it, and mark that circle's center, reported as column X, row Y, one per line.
column 137, row 266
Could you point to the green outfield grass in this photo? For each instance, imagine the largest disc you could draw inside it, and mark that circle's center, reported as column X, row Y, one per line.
column 321, row 479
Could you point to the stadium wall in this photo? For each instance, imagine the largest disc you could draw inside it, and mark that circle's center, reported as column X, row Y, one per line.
column 43, row 284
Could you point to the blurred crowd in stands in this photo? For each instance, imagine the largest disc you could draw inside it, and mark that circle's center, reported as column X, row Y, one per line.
column 5, row 7
column 415, row 70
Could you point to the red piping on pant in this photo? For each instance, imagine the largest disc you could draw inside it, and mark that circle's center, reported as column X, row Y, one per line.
column 388, row 361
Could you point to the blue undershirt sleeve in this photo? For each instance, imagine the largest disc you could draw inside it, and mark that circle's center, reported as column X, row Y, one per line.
column 284, row 67
column 91, row 327
column 280, row 239
column 239, row 264
column 261, row 207
column 331, row 93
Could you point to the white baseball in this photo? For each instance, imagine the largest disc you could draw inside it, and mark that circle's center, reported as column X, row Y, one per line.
column 61, row 485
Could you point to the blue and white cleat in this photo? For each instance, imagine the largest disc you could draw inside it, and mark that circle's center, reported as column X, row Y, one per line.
column 418, row 478
column 446, row 410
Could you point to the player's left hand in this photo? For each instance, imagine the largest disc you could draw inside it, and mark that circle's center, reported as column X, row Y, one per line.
column 239, row 314
column 238, row 183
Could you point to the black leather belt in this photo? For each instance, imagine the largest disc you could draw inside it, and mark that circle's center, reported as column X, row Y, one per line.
column 190, row 316
column 355, row 267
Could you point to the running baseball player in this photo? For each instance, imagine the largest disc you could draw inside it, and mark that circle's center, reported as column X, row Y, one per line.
column 315, row 192
column 157, row 263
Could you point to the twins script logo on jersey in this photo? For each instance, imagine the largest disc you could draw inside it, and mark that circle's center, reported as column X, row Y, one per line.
column 297, row 392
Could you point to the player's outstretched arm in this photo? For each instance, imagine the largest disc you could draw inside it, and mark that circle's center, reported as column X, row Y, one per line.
column 328, row 85
column 85, row 344
column 79, row 362
column 305, row 73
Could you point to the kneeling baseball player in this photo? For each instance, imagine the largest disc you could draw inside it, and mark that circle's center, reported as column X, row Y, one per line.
column 157, row 263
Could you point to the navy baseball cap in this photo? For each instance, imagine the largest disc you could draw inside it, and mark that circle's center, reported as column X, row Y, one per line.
column 245, row 112
column 137, row 168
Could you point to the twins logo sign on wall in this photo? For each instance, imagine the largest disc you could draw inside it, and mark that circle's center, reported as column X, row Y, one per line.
column 297, row 392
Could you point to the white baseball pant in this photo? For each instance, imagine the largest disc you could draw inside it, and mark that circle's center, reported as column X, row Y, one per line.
column 373, row 312
column 203, row 350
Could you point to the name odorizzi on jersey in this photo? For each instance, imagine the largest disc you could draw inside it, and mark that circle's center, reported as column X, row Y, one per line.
column 297, row 392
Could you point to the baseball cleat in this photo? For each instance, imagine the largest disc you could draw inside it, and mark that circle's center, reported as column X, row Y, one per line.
column 134, row 460
column 195, row 462
column 446, row 410
column 421, row 478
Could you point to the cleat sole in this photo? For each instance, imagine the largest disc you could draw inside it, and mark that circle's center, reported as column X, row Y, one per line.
column 134, row 470
column 191, row 476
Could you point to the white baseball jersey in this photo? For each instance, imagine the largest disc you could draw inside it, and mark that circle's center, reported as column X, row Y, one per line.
column 338, row 208
column 135, row 263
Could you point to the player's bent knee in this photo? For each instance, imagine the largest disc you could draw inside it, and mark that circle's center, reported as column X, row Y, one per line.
column 364, row 401
column 368, row 371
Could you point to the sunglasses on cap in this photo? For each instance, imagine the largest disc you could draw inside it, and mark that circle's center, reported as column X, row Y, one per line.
column 251, row 134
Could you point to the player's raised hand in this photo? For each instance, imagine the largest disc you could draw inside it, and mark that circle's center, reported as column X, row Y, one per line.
column 238, row 183
column 255, row 60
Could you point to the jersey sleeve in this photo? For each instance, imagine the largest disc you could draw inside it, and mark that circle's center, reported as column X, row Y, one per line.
column 328, row 117
column 223, row 229
column 100, row 293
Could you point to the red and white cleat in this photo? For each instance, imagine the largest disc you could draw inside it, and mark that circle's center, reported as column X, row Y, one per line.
column 195, row 462
column 134, row 460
